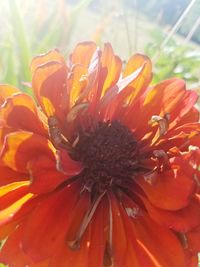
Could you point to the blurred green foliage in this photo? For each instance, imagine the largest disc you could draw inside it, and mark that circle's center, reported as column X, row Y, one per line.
column 176, row 59
column 167, row 12
column 33, row 27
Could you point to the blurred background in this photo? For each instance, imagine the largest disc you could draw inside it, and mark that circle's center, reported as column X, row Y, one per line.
column 168, row 31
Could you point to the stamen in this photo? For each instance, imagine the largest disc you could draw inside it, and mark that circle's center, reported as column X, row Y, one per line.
column 163, row 160
column 57, row 138
column 163, row 122
column 150, row 177
column 110, row 226
column 107, row 260
column 133, row 212
column 183, row 238
column 86, row 220
column 75, row 111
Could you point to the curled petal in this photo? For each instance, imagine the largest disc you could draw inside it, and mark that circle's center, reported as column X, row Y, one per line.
column 112, row 102
column 83, row 53
column 13, row 109
column 140, row 84
column 164, row 98
column 110, row 70
column 7, row 91
column 52, row 55
column 21, row 147
column 49, row 82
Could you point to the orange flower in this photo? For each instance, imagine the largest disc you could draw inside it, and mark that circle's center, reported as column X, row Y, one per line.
column 104, row 171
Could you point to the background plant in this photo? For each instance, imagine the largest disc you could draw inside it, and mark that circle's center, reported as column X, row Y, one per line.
column 33, row 27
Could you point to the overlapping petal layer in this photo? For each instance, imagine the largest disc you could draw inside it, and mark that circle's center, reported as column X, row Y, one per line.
column 58, row 210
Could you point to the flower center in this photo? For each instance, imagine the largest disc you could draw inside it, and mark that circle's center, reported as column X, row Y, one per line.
column 109, row 155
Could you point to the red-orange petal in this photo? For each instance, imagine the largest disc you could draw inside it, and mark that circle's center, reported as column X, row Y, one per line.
column 10, row 176
column 52, row 55
column 182, row 220
column 15, row 256
column 35, row 156
column 118, row 233
column 151, row 245
column 68, row 255
column 110, row 69
column 11, row 193
column 49, row 85
column 12, row 111
column 22, row 147
column 98, row 229
column 165, row 192
column 7, row 214
column 163, row 98
column 50, row 220
column 6, row 91
column 83, row 53
column 44, row 175
column 139, row 85
column 159, row 243
column 193, row 238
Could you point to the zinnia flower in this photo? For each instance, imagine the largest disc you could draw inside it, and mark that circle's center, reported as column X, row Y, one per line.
column 103, row 170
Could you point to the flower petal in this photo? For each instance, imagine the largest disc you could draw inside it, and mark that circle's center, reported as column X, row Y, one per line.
column 21, row 147
column 67, row 254
column 110, row 70
column 164, row 98
column 49, row 220
column 140, row 84
column 7, row 213
column 159, row 243
column 6, row 91
column 13, row 109
column 15, row 256
column 182, row 220
column 193, row 238
column 7, row 229
column 150, row 244
column 98, row 235
column 44, row 175
column 10, row 176
column 52, row 55
column 83, row 53
column 191, row 116
column 49, row 82
column 171, row 191
column 118, row 233
column 12, row 192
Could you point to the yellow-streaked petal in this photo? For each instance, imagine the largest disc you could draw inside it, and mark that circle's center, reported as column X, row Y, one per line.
column 6, row 91
column 10, row 187
column 9, row 212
